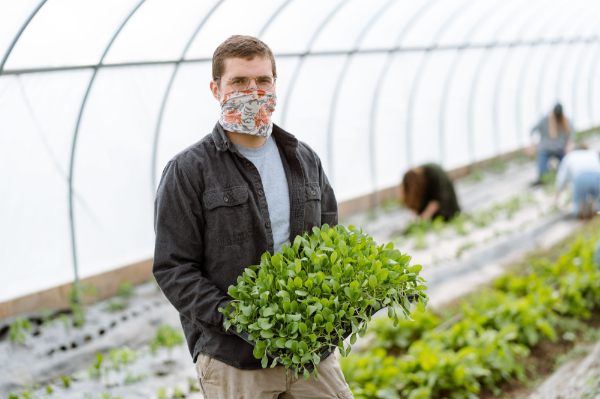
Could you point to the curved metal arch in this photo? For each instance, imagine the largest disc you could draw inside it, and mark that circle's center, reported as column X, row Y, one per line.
column 74, row 147
column 591, row 79
column 500, row 79
column 559, row 82
column 577, row 75
column 384, row 71
column 167, row 93
column 20, row 32
column 278, row 11
column 545, row 61
column 163, row 104
column 338, row 84
column 300, row 64
column 449, row 77
column 524, row 68
column 578, row 65
column 416, row 81
column 475, row 83
column 560, row 94
column 577, row 72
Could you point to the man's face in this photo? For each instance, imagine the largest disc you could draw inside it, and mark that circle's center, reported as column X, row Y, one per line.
column 256, row 71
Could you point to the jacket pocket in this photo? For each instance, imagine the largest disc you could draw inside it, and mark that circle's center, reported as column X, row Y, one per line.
column 227, row 215
column 225, row 197
column 312, row 206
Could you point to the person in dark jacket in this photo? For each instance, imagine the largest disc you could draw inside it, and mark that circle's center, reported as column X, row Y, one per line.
column 428, row 191
column 246, row 188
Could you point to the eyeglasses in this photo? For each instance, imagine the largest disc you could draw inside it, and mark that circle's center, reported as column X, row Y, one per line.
column 240, row 83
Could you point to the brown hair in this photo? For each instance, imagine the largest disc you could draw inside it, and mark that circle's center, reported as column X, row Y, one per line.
column 239, row 46
column 558, row 121
column 413, row 187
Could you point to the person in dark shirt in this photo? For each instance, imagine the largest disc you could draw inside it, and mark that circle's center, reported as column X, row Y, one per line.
column 428, row 191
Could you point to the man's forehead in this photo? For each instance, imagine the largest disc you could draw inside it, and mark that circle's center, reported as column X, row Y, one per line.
column 256, row 66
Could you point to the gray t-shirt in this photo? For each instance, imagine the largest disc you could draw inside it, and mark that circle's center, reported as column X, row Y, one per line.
column 267, row 161
column 555, row 144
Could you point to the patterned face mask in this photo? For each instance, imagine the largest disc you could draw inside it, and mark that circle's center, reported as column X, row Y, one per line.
column 248, row 112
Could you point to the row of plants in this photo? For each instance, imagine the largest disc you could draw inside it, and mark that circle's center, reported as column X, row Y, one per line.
column 114, row 369
column 74, row 316
column 465, row 223
column 484, row 341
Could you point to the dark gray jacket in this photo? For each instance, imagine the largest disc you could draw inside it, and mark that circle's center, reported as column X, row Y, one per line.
column 211, row 221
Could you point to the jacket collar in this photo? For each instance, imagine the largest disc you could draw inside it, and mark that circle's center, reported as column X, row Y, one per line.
column 223, row 143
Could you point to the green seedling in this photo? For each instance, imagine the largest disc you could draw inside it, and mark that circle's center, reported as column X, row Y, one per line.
column 166, row 337
column 307, row 298
column 17, row 332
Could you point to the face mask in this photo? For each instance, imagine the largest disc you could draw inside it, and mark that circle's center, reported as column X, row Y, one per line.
column 248, row 112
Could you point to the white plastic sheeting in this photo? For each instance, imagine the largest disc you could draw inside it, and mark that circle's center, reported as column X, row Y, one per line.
column 96, row 96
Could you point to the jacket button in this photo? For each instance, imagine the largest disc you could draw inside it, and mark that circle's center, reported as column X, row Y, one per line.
column 226, row 198
column 268, row 224
column 261, row 192
column 312, row 192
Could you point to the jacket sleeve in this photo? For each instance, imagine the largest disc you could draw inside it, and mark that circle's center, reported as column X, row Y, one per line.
column 329, row 207
column 178, row 250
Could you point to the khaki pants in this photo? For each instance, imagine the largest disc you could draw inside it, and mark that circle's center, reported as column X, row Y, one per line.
column 222, row 381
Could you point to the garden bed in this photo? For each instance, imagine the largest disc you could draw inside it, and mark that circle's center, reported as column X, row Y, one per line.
column 506, row 220
column 494, row 341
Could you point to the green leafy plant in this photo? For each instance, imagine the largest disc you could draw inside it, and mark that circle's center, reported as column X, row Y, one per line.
column 476, row 175
column 134, row 378
column 106, row 395
column 95, row 370
column 125, row 290
column 484, row 342
column 396, row 338
column 459, row 224
column 78, row 295
column 18, row 329
column 178, row 394
column 498, row 166
column 193, row 385
column 373, row 374
column 464, row 248
column 66, row 381
column 116, row 306
column 306, row 299
column 124, row 294
column 166, row 337
column 162, row 393
column 121, row 357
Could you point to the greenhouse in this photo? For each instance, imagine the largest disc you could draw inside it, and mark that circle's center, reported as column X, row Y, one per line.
column 133, row 210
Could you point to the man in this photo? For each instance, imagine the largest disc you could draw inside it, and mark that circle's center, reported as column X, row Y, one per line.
column 246, row 188
column 582, row 168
